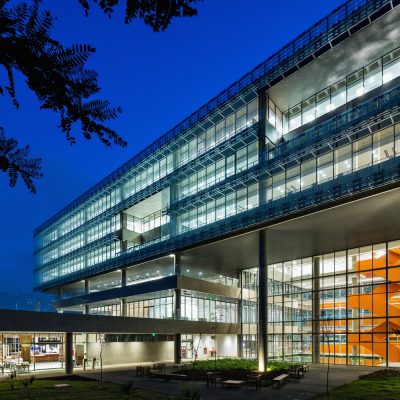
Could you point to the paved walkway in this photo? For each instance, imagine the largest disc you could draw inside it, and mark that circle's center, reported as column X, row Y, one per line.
column 313, row 383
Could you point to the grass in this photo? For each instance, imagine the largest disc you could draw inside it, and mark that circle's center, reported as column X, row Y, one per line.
column 43, row 389
column 366, row 389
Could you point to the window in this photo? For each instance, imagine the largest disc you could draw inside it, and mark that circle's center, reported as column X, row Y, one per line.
column 293, row 179
column 383, row 145
column 373, row 76
column 343, row 160
column 362, row 153
column 355, row 85
column 308, row 108
column 391, row 66
column 338, row 94
column 325, row 167
column 308, row 174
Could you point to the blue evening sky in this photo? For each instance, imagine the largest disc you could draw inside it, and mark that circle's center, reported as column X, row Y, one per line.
column 157, row 78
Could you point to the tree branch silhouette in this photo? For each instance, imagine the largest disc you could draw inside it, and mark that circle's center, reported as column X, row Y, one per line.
column 15, row 162
column 57, row 74
column 157, row 14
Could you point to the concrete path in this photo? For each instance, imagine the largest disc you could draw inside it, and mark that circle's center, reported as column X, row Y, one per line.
column 313, row 383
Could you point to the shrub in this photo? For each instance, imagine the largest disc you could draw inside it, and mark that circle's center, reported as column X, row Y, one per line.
column 237, row 364
column 190, row 392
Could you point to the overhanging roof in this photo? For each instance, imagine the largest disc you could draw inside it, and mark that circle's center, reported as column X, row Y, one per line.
column 30, row 321
column 362, row 222
column 363, row 48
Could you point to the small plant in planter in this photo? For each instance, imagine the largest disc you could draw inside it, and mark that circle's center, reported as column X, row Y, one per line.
column 190, row 392
column 27, row 383
column 126, row 389
column 11, row 378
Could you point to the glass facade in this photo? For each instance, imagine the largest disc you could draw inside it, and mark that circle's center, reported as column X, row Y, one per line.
column 194, row 307
column 364, row 80
column 25, row 352
column 129, row 245
column 356, row 292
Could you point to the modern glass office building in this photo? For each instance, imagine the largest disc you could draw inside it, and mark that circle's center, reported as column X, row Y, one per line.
column 267, row 221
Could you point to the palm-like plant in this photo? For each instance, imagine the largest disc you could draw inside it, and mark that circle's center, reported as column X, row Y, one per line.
column 14, row 161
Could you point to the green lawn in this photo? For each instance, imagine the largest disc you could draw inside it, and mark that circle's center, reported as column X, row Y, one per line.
column 366, row 389
column 42, row 389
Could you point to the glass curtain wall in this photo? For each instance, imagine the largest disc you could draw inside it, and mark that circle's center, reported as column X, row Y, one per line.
column 194, row 307
column 249, row 286
column 360, row 153
column 290, row 310
column 25, row 352
column 354, row 85
column 197, row 307
column 107, row 309
column 357, row 293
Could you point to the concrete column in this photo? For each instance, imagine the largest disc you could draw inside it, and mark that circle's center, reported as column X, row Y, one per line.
column 177, row 311
column 240, row 345
column 87, row 286
column 262, row 302
column 239, row 318
column 177, row 336
column 355, row 324
column 177, row 348
column 173, row 196
column 124, row 308
column 123, row 219
column 123, row 278
column 86, row 309
column 240, row 336
column 316, row 311
column 68, row 353
column 177, row 264
column 177, row 304
column 262, row 114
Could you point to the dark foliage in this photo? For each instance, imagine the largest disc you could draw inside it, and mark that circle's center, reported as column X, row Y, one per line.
column 15, row 162
column 155, row 13
column 57, row 74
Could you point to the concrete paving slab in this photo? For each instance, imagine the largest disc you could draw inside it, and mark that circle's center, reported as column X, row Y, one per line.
column 313, row 383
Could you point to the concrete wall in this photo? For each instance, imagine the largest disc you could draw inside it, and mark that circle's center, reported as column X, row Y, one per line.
column 227, row 345
column 132, row 352
column 136, row 352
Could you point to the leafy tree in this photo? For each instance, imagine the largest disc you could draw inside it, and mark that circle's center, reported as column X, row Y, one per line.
column 15, row 162
column 57, row 73
column 155, row 13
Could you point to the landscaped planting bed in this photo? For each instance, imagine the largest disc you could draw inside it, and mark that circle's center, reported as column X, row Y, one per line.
column 234, row 368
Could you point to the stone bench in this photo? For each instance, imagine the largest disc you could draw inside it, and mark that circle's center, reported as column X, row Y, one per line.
column 280, row 379
column 232, row 382
column 166, row 376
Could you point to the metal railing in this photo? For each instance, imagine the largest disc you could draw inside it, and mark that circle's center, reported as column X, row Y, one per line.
column 371, row 177
column 27, row 302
